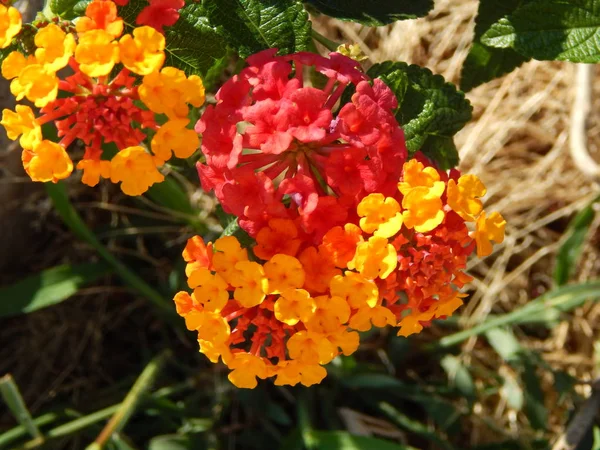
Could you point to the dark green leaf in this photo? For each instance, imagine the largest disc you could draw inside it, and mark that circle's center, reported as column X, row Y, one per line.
column 192, row 44
column 374, row 12
column 172, row 442
column 431, row 110
column 505, row 343
column 486, row 63
column 48, row 287
column 568, row 254
column 460, row 376
column 442, row 150
column 535, row 410
column 565, row 30
column 59, row 7
column 253, row 25
column 338, row 440
column 512, row 392
column 412, row 425
column 80, row 7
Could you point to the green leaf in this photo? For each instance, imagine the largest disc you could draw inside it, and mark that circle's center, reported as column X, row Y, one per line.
column 569, row 252
column 511, row 391
column 564, row 30
column 460, row 376
column 49, row 287
column 171, row 442
column 524, row 362
column 192, row 44
column 60, row 7
column 486, row 63
column 505, row 343
column 373, row 13
column 431, row 110
column 414, row 426
column 442, row 150
column 337, row 440
column 12, row 397
column 253, row 25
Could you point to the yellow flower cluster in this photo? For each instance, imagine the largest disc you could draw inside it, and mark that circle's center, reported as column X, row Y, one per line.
column 94, row 53
column 288, row 316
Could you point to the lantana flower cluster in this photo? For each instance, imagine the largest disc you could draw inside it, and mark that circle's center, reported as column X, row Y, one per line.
column 98, row 86
column 349, row 232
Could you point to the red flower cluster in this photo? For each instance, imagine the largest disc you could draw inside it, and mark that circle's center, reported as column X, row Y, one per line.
column 272, row 139
column 349, row 234
column 98, row 112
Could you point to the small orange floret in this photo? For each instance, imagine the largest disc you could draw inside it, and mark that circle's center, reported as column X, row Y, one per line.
column 319, row 269
column 197, row 254
column 101, row 15
column 280, row 236
column 487, row 230
column 463, row 197
column 340, row 243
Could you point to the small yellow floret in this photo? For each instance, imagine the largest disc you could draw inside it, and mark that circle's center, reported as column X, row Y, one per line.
column 380, row 215
column 311, row 347
column 423, row 209
column 293, row 306
column 251, row 285
column 487, row 230
column 227, row 253
column 55, row 47
column 144, row 52
column 174, row 136
column 14, row 63
column 96, row 53
column 10, row 24
column 358, row 291
column 22, row 123
column 246, row 368
column 93, row 170
column 463, row 197
column 294, row 372
column 49, row 162
column 284, row 272
column 169, row 91
column 37, row 84
column 375, row 258
column 379, row 316
column 331, row 313
column 135, row 168
column 210, row 290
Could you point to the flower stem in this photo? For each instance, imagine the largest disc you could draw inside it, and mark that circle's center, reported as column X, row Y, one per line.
column 327, row 43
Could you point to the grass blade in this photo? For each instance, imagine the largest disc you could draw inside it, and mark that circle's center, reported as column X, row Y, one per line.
column 336, row 440
column 81, row 423
column 562, row 299
column 13, row 399
column 48, row 287
column 141, row 386
column 570, row 250
column 72, row 219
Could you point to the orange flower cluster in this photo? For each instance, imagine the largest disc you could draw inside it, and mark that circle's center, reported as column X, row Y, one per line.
column 97, row 104
column 297, row 306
